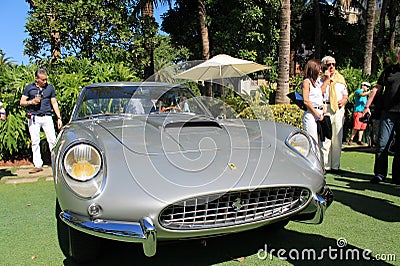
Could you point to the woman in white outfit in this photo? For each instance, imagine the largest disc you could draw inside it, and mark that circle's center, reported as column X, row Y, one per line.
column 313, row 91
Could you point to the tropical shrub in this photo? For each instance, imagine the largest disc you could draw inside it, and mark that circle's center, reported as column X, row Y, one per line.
column 68, row 77
column 288, row 113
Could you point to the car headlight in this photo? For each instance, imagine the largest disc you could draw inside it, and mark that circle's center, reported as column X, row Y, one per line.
column 82, row 165
column 301, row 143
column 82, row 162
column 306, row 146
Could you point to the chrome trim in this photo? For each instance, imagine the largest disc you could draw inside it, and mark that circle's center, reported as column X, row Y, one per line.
column 314, row 150
column 234, row 208
column 322, row 201
column 142, row 232
column 64, row 173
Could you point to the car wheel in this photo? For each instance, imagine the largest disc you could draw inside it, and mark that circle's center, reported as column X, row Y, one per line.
column 74, row 244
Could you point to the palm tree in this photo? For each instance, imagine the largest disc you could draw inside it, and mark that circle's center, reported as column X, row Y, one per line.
column 394, row 11
column 205, row 41
column 5, row 60
column 318, row 28
column 380, row 37
column 369, row 33
column 369, row 36
column 204, row 30
column 147, row 10
column 284, row 54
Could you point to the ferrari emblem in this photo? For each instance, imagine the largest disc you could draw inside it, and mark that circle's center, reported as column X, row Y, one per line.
column 232, row 166
column 237, row 204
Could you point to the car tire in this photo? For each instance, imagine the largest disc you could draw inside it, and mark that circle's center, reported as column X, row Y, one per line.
column 74, row 244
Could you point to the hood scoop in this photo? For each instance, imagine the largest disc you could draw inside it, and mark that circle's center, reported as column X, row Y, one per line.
column 191, row 123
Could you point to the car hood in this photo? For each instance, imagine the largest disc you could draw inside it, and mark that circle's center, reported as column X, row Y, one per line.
column 183, row 134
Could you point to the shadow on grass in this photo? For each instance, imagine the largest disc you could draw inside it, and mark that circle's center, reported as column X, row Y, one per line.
column 374, row 207
column 349, row 177
column 6, row 172
column 345, row 173
column 298, row 248
column 359, row 149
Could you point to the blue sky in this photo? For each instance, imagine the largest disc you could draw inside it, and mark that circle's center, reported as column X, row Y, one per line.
column 13, row 14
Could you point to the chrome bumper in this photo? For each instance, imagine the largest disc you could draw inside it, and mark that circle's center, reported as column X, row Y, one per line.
column 142, row 232
column 320, row 201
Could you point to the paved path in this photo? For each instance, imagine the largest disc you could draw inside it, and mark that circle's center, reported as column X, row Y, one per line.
column 20, row 174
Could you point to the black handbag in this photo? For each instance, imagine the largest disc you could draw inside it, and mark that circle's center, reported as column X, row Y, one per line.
column 297, row 99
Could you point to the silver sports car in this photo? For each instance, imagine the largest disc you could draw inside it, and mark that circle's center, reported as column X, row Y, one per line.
column 149, row 162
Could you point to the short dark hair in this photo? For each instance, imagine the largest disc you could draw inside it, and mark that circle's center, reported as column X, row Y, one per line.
column 40, row 71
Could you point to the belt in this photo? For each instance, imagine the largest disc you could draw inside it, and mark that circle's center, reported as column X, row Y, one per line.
column 319, row 107
column 42, row 115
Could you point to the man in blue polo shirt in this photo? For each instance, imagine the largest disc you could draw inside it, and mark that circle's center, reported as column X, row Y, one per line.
column 40, row 98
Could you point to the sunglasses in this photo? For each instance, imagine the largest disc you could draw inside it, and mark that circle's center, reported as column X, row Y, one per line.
column 331, row 64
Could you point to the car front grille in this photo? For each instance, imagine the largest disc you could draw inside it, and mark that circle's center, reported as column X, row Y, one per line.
column 233, row 208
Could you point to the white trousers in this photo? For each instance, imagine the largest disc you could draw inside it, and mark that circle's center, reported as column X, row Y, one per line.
column 34, row 124
column 332, row 148
column 310, row 125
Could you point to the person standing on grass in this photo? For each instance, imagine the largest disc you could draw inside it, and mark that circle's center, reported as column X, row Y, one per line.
column 361, row 97
column 335, row 99
column 312, row 91
column 40, row 98
column 389, row 84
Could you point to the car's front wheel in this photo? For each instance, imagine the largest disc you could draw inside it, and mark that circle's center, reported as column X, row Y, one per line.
column 74, row 244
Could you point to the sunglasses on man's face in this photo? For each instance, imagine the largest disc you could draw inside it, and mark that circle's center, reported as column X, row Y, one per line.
column 330, row 64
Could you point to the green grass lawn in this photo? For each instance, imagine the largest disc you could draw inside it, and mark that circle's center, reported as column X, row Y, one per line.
column 362, row 217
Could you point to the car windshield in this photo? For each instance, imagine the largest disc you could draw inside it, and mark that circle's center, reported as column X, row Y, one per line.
column 117, row 100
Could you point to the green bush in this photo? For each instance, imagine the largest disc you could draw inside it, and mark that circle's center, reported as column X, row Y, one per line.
column 68, row 77
column 288, row 113
column 257, row 107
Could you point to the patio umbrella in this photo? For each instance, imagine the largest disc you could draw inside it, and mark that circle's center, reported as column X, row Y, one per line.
column 221, row 66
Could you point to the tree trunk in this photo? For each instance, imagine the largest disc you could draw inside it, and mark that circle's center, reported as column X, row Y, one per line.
column 392, row 15
column 284, row 55
column 317, row 23
column 55, row 40
column 204, row 30
column 148, row 16
column 380, row 38
column 204, row 41
column 369, row 36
